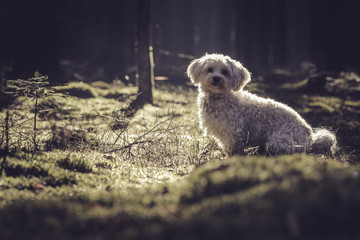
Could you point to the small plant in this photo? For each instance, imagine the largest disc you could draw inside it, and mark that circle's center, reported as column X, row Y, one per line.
column 33, row 88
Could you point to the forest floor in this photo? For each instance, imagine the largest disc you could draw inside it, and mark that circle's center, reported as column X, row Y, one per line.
column 104, row 172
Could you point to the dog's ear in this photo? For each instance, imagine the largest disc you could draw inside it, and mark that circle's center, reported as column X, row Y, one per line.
column 194, row 71
column 240, row 75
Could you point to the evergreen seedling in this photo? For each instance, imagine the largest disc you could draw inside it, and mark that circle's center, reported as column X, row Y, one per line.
column 33, row 88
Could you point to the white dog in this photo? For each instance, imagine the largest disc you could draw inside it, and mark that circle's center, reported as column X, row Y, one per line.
column 239, row 119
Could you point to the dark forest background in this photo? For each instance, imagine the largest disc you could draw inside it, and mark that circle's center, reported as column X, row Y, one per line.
column 94, row 40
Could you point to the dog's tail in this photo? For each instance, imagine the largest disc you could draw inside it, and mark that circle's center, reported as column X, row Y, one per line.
column 323, row 142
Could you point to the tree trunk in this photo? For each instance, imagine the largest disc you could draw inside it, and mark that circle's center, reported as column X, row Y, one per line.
column 144, row 54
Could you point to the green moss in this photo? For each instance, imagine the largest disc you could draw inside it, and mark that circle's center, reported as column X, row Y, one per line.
column 76, row 163
column 78, row 89
column 67, row 138
column 158, row 177
column 251, row 197
column 294, row 85
column 258, row 196
column 101, row 84
column 322, row 105
column 17, row 168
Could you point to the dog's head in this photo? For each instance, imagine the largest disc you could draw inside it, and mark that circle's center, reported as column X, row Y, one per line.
column 216, row 73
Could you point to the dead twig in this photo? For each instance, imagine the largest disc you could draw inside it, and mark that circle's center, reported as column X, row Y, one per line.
column 138, row 139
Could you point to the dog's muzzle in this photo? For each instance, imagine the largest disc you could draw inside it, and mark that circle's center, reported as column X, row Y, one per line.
column 216, row 80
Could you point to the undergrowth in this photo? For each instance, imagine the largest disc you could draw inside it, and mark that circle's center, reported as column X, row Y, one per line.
column 105, row 171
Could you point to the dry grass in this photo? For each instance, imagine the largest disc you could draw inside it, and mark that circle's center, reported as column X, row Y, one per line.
column 162, row 140
column 105, row 172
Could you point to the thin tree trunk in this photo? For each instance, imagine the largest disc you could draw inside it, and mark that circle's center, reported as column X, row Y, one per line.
column 35, row 129
column 144, row 54
column 6, row 150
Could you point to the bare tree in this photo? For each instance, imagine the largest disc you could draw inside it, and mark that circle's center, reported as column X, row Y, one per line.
column 144, row 54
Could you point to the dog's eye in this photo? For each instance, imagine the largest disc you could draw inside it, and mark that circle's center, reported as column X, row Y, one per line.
column 210, row 70
column 224, row 72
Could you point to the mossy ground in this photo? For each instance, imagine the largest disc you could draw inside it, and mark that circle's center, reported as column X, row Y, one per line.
column 105, row 173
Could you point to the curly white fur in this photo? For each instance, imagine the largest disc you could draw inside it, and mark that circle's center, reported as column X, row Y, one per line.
column 237, row 118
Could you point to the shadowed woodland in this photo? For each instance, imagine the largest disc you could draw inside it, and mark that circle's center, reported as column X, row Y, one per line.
column 96, row 39
column 100, row 136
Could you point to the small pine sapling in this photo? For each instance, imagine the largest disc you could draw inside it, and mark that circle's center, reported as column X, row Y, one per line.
column 33, row 88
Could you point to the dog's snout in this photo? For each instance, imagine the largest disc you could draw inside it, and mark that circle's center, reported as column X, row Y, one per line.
column 216, row 79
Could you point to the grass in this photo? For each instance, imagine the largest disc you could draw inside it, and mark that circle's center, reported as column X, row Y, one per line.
column 160, row 143
column 248, row 197
column 107, row 173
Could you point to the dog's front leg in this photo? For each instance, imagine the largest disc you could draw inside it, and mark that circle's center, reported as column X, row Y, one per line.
column 236, row 147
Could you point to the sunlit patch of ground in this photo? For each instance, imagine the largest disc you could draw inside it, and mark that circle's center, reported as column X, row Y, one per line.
column 105, row 172
column 89, row 146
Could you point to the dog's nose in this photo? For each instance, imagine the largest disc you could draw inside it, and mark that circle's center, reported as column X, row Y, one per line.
column 216, row 79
